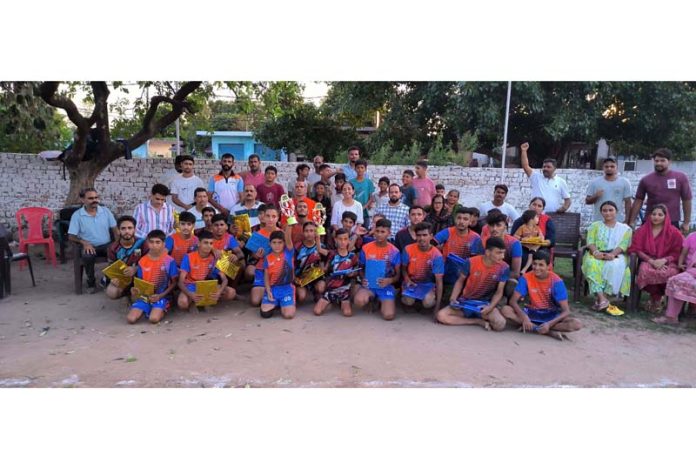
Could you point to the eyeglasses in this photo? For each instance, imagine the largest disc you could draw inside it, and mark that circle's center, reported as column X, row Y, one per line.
column 92, row 198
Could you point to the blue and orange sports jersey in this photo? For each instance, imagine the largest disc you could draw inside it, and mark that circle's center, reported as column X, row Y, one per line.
column 482, row 280
column 422, row 267
column 197, row 268
column 266, row 233
column 336, row 263
column 513, row 248
column 280, row 267
column 227, row 242
column 463, row 246
column 178, row 247
column 306, row 257
column 157, row 271
column 388, row 253
column 542, row 293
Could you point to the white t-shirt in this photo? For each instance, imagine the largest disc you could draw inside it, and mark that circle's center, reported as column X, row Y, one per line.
column 553, row 190
column 339, row 208
column 184, row 187
column 200, row 223
column 506, row 208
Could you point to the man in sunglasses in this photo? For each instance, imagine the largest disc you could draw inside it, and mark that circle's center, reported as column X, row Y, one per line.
column 92, row 227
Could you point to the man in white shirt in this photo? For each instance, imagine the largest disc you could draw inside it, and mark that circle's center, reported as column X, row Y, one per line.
column 249, row 205
column 315, row 176
column 553, row 189
column 500, row 192
column 184, row 185
column 201, row 202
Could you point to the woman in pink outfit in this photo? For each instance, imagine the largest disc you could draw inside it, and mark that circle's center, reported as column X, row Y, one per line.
column 657, row 244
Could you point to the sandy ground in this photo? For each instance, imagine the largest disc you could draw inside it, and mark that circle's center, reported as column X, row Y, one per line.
column 50, row 337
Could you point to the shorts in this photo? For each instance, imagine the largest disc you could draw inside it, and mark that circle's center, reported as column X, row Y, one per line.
column 258, row 278
column 541, row 316
column 283, row 295
column 337, row 295
column 191, row 287
column 386, row 293
column 146, row 307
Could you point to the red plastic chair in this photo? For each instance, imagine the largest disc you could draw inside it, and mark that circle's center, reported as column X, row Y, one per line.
column 34, row 222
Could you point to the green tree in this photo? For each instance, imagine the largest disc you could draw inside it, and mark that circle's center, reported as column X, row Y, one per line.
column 305, row 130
column 27, row 123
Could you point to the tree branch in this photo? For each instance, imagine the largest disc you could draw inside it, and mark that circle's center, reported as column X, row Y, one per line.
column 48, row 91
column 100, row 116
column 150, row 127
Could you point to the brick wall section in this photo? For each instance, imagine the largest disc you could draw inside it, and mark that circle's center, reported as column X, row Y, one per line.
column 29, row 180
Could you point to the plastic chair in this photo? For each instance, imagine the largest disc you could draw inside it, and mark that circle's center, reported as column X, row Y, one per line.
column 34, row 221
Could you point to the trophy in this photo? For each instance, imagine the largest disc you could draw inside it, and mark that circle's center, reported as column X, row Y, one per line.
column 287, row 206
column 319, row 217
column 176, row 221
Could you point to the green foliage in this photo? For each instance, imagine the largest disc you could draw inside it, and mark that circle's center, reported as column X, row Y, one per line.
column 27, row 123
column 306, row 130
column 636, row 117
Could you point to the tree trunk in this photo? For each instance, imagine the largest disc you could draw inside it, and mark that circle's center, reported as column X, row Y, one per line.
column 82, row 177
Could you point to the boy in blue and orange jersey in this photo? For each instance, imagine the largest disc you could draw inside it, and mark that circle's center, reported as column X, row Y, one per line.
column 547, row 310
column 422, row 266
column 197, row 266
column 483, row 278
column 158, row 268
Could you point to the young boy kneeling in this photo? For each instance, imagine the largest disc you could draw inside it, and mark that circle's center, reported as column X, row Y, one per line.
column 278, row 276
column 423, row 268
column 158, row 268
column 485, row 278
column 547, row 310
column 198, row 266
column 380, row 251
column 341, row 268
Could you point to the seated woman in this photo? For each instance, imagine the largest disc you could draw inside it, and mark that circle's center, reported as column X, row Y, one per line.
column 605, row 264
column 682, row 287
column 657, row 244
column 546, row 225
column 438, row 215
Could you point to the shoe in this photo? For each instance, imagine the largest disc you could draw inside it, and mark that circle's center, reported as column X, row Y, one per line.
column 91, row 288
column 664, row 320
column 614, row 310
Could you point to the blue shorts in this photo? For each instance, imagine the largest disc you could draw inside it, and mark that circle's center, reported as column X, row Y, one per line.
column 541, row 316
column 283, row 295
column 258, row 278
column 191, row 287
column 146, row 307
column 470, row 308
column 384, row 294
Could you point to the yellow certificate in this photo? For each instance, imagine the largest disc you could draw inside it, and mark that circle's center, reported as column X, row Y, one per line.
column 115, row 272
column 310, row 275
column 206, row 288
column 225, row 265
column 243, row 224
column 146, row 289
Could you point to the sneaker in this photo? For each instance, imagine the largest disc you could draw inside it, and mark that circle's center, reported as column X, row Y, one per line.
column 92, row 290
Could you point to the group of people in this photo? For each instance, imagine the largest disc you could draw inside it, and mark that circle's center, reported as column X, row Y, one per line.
column 371, row 246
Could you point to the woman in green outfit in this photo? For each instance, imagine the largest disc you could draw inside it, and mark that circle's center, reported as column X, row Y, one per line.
column 605, row 264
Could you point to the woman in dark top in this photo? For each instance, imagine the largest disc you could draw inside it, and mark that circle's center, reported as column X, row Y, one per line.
column 438, row 216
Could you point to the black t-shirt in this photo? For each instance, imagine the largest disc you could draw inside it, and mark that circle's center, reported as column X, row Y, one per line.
column 403, row 238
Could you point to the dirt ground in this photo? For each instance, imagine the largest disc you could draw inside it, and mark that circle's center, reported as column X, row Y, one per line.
column 50, row 337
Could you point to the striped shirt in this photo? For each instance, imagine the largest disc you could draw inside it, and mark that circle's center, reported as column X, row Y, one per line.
column 148, row 218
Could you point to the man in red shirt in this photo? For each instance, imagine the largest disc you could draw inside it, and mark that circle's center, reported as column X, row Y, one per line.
column 254, row 176
column 270, row 191
column 664, row 186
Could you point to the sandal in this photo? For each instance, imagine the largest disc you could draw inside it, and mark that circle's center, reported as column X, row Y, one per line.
column 601, row 305
column 665, row 320
column 614, row 310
